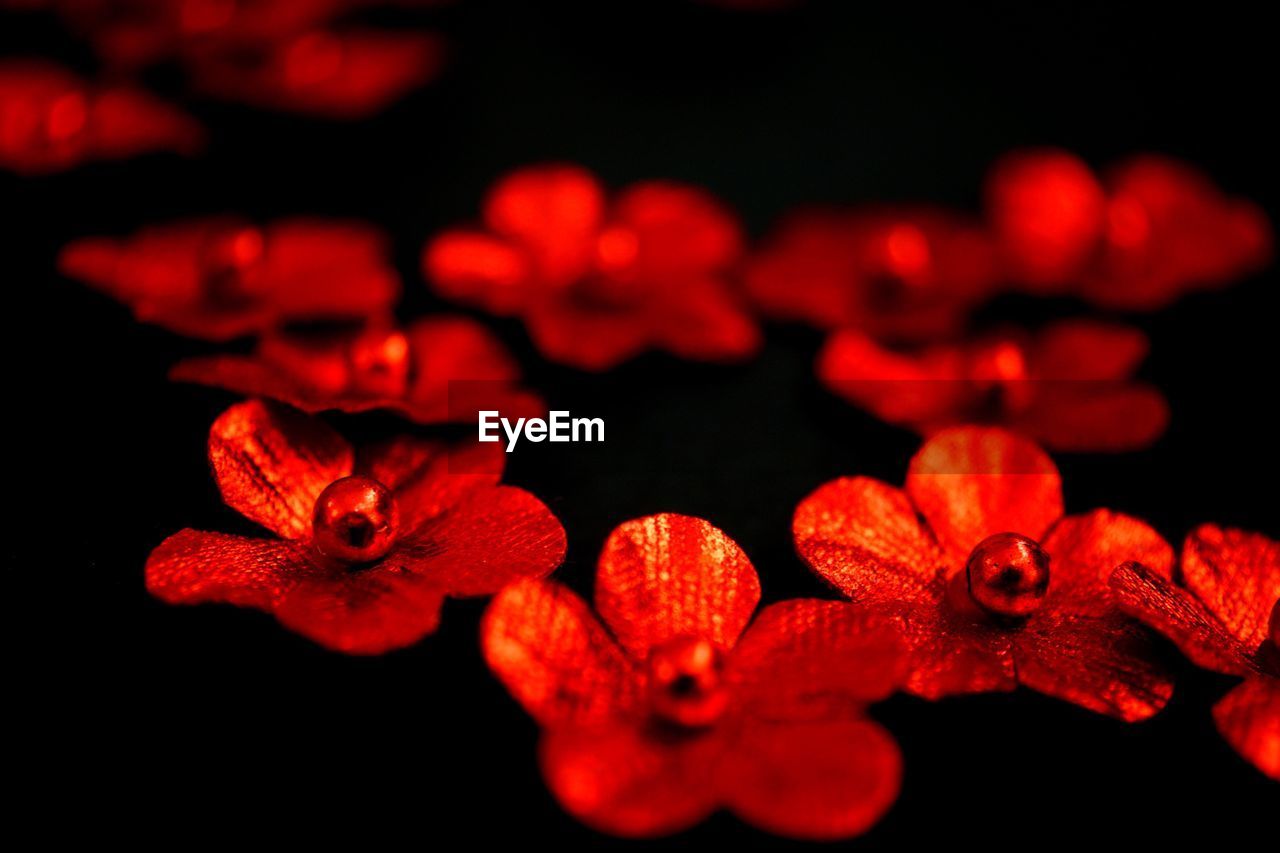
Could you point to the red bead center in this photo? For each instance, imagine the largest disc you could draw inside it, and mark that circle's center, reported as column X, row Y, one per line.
column 686, row 682
column 1008, row 575
column 356, row 520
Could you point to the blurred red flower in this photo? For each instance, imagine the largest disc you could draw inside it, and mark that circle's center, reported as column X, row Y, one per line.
column 438, row 370
column 51, row 120
column 1149, row 232
column 220, row 278
column 369, row 545
column 668, row 710
column 598, row 281
column 905, row 274
column 992, row 585
column 1225, row 617
column 1068, row 386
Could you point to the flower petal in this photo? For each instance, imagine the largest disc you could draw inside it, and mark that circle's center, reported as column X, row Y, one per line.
column 271, row 464
column 972, row 482
column 429, row 477
column 551, row 211
column 460, row 367
column 1249, row 718
column 1152, row 598
column 195, row 567
column 479, row 269
column 1092, row 417
column 1085, row 549
column 545, row 645
column 863, row 537
column 590, row 337
column 1087, row 349
column 818, row 780
column 679, row 230
column 952, row 653
column 630, row 780
column 1237, row 575
column 704, row 322
column 364, row 612
column 805, row 658
column 666, row 575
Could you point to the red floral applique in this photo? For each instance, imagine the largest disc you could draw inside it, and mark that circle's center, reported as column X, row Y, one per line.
column 1069, row 386
column 899, row 275
column 597, row 281
column 51, row 120
column 340, row 74
column 668, row 710
column 993, row 586
column 369, row 545
column 1225, row 617
column 438, row 370
column 1153, row 230
column 221, row 278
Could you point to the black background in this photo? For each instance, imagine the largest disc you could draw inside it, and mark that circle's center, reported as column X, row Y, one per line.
column 187, row 723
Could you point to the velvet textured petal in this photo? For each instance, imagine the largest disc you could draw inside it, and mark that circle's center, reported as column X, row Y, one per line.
column 195, row 567
column 971, row 482
column 820, row 780
column 1237, row 576
column 1249, row 718
column 953, row 652
column 668, row 575
column 863, row 537
column 271, row 464
column 1085, row 549
column 632, row 780
column 554, row 657
column 362, row 612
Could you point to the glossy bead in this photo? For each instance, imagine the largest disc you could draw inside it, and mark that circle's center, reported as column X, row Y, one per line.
column 355, row 520
column 1008, row 575
column 686, row 682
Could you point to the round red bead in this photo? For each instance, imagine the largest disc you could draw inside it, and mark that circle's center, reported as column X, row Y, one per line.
column 355, row 520
column 686, row 682
column 1008, row 575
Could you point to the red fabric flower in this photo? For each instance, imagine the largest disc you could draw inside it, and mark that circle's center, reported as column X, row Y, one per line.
column 51, row 120
column 1152, row 231
column 897, row 274
column 1069, row 386
column 668, row 710
column 439, row 370
column 598, row 281
column 347, row 74
column 221, row 278
column 993, row 586
column 1225, row 617
column 369, row 545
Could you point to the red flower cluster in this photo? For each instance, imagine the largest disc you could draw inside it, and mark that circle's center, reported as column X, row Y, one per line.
column 51, row 120
column 369, row 545
column 672, row 711
column 597, row 281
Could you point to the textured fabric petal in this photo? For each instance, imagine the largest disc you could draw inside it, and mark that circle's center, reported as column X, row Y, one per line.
column 1105, row 663
column 544, row 644
column 589, row 337
column 1085, row 549
column 953, row 652
column 1237, row 575
column 1249, row 718
column 668, row 575
column 630, row 780
column 820, row 780
column 479, row 269
column 488, row 539
column 1149, row 596
column 194, row 567
column 554, row 213
column 805, row 658
column 704, row 322
column 971, row 482
column 364, row 612
column 863, row 537
column 428, row 477
column 1093, row 417
column 271, row 464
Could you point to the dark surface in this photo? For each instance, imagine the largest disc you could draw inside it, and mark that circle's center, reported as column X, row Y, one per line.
column 213, row 721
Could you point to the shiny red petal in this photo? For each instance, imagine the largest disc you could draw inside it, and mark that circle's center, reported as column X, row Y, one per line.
column 546, row 646
column 478, row 269
column 1249, row 718
column 631, row 780
column 808, row 658
column 195, row 567
column 553, row 212
column 271, row 464
column 953, row 653
column 972, row 482
column 586, row 336
column 1085, row 549
column 1090, row 417
column 863, row 537
column 822, row 780
column 1100, row 661
column 364, row 612
column 430, row 477
column 702, row 321
column 666, row 575
column 1236, row 574
column 678, row 230
column 1151, row 597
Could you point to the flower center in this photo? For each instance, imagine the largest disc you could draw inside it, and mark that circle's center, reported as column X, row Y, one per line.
column 686, row 682
column 227, row 260
column 1008, row 575
column 355, row 520
column 379, row 363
